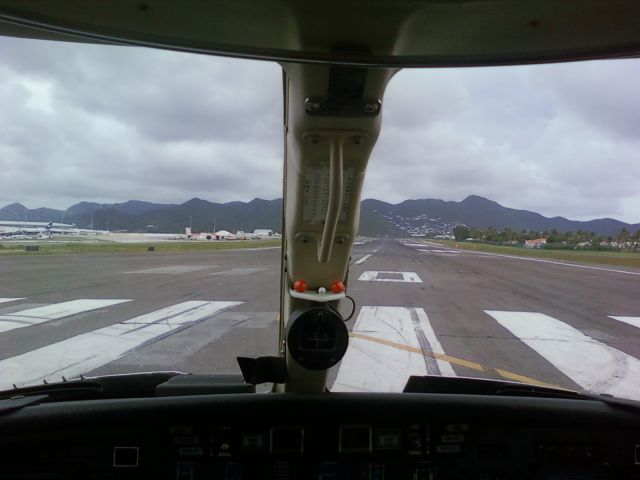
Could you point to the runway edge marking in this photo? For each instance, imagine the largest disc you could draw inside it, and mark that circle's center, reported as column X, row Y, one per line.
column 553, row 262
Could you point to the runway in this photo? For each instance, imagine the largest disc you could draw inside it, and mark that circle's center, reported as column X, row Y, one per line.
column 422, row 308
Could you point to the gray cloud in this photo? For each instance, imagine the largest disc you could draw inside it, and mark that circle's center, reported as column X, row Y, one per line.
column 518, row 135
column 82, row 122
column 111, row 123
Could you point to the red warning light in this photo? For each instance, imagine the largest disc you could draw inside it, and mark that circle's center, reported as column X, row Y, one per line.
column 300, row 286
column 337, row 287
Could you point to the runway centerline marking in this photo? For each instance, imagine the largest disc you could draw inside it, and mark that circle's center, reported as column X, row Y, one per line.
column 55, row 311
column 363, row 259
column 591, row 364
column 378, row 276
column 88, row 351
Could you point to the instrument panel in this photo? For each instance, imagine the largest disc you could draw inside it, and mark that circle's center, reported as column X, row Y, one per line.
column 385, row 451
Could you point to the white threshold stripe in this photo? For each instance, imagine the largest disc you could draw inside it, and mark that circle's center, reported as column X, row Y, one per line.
column 88, row 351
column 591, row 364
column 55, row 311
column 5, row 300
column 553, row 262
column 363, row 259
column 634, row 321
column 370, row 367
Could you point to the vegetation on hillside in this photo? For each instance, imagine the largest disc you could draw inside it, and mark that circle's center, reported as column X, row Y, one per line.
column 623, row 240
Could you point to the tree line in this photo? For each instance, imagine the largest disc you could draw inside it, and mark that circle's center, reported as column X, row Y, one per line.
column 623, row 239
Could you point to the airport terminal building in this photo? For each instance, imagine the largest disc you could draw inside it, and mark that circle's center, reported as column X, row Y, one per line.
column 11, row 228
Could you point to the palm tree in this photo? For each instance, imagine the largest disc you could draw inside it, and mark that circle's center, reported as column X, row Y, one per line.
column 623, row 237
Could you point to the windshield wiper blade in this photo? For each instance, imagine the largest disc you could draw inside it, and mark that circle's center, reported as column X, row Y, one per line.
column 132, row 385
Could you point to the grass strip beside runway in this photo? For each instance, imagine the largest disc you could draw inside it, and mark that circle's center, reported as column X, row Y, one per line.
column 625, row 259
column 11, row 248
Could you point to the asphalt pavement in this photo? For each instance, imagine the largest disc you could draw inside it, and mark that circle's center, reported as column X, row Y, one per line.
column 422, row 308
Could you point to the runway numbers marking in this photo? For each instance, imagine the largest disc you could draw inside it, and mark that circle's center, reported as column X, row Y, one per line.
column 363, row 259
column 173, row 269
column 591, row 364
column 634, row 321
column 389, row 276
column 5, row 300
column 88, row 351
column 369, row 367
column 55, row 311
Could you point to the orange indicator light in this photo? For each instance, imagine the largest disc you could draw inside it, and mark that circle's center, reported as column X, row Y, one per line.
column 300, row 286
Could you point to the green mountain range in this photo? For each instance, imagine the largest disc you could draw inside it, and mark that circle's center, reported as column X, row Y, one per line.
column 412, row 217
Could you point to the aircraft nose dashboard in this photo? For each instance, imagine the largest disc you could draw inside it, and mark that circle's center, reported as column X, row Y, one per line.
column 321, row 436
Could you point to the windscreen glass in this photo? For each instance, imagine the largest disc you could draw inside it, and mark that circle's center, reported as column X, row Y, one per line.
column 140, row 221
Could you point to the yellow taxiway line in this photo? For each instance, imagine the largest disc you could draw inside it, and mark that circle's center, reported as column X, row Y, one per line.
column 454, row 360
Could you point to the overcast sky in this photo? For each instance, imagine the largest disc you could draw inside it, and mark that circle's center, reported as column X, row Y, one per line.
column 109, row 124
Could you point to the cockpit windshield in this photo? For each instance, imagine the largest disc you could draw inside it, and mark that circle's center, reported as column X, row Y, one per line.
column 141, row 221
